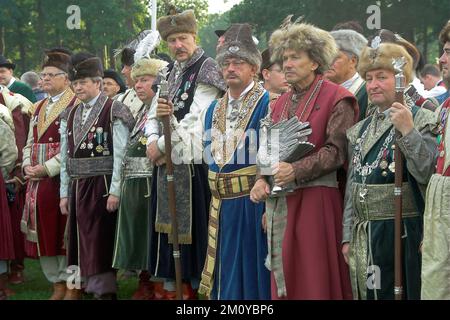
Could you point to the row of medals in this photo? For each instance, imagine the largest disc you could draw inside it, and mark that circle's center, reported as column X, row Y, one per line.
column 102, row 147
column 384, row 165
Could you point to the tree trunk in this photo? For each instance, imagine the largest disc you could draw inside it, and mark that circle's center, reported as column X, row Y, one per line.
column 128, row 4
column 40, row 23
column 425, row 42
column 2, row 39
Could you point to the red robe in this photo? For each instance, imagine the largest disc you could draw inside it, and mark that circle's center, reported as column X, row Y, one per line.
column 21, row 125
column 313, row 264
column 6, row 235
column 42, row 219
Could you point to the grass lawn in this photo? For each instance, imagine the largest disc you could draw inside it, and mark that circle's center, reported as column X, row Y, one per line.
column 36, row 286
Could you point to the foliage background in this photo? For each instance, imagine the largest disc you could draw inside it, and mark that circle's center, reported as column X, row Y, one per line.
column 27, row 27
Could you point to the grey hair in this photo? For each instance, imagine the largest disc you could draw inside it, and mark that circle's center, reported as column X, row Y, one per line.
column 31, row 78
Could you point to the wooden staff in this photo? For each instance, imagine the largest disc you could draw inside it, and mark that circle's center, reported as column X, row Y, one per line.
column 164, row 94
column 400, row 85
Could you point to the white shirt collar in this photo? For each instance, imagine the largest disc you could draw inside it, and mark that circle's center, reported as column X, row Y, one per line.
column 11, row 82
column 56, row 98
column 347, row 84
column 93, row 101
column 243, row 94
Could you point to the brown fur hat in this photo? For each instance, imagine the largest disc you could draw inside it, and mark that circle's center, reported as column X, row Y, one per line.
column 381, row 58
column 318, row 43
column 184, row 22
column 57, row 58
column 85, row 65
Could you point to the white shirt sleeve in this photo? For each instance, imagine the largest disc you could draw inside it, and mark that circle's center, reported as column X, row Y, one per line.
column 204, row 96
column 64, row 177
column 121, row 135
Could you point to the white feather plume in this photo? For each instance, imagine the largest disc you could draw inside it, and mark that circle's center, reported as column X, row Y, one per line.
column 147, row 45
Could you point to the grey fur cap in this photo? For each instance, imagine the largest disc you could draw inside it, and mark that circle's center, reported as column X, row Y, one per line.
column 350, row 41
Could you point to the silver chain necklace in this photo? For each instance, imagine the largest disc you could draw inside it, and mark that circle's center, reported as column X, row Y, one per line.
column 366, row 170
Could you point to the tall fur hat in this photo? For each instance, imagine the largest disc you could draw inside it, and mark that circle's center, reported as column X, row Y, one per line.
column 385, row 35
column 382, row 57
column 349, row 41
column 239, row 43
column 147, row 66
column 85, row 65
column 58, row 58
column 184, row 22
column 444, row 37
column 318, row 43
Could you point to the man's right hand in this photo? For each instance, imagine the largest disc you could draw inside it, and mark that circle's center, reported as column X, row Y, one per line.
column 260, row 191
column 164, row 108
column 346, row 251
column 64, row 206
column 28, row 172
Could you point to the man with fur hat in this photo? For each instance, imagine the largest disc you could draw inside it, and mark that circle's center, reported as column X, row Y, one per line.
column 304, row 231
column 94, row 134
column 129, row 97
column 8, row 156
column 194, row 82
column 369, row 211
column 343, row 70
column 132, row 244
column 272, row 75
column 42, row 221
column 435, row 254
column 234, row 267
column 414, row 94
column 7, row 79
column 20, row 107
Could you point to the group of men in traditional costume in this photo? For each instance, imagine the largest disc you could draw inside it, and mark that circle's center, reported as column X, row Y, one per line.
column 84, row 173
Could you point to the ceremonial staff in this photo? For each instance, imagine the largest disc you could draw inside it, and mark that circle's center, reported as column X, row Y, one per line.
column 164, row 94
column 400, row 85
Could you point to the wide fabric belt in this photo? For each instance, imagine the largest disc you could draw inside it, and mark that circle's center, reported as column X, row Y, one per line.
column 231, row 185
column 79, row 168
column 137, row 167
column 379, row 202
column 224, row 186
column 378, row 205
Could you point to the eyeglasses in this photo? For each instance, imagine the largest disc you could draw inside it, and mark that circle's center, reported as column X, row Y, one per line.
column 50, row 75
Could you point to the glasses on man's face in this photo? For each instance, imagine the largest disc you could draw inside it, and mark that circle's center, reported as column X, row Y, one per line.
column 44, row 75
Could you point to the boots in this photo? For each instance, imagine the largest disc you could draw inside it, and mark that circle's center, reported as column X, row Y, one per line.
column 59, row 291
column 16, row 273
column 159, row 291
column 146, row 290
column 188, row 293
column 73, row 294
column 3, row 282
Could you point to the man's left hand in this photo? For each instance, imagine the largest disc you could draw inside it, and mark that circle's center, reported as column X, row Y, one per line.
column 153, row 152
column 402, row 118
column 112, row 204
column 283, row 173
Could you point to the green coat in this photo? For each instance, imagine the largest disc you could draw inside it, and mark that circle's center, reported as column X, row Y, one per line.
column 23, row 89
column 132, row 241
column 369, row 216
